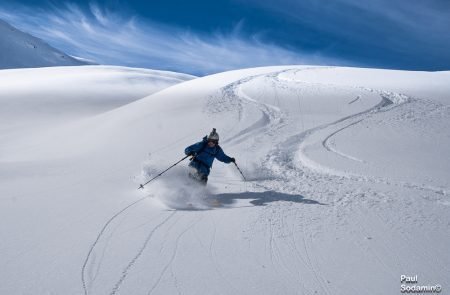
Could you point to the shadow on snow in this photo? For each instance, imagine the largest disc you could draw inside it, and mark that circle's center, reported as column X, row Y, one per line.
column 261, row 198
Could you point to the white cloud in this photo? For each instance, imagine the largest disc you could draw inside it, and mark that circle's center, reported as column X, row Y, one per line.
column 110, row 38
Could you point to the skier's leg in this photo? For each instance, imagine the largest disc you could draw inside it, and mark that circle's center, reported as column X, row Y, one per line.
column 193, row 173
column 197, row 176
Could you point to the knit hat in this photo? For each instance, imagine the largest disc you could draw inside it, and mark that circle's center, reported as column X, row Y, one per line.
column 213, row 135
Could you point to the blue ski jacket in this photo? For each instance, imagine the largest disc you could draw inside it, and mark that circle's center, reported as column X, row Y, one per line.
column 205, row 156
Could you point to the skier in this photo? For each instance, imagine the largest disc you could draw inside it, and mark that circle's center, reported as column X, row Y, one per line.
column 203, row 154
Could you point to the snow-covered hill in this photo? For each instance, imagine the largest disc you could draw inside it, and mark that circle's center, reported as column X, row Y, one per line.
column 21, row 50
column 347, row 188
column 34, row 100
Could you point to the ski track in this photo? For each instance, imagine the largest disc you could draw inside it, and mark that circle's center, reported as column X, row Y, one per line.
column 270, row 239
column 327, row 145
column 273, row 119
column 232, row 97
column 174, row 254
column 319, row 279
column 303, row 260
column 389, row 101
column 276, row 222
column 99, row 263
column 99, row 235
column 139, row 253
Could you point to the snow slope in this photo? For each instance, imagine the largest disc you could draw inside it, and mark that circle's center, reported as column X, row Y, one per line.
column 21, row 50
column 347, row 189
column 37, row 99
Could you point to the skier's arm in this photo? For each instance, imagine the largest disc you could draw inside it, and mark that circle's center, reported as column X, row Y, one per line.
column 195, row 148
column 221, row 156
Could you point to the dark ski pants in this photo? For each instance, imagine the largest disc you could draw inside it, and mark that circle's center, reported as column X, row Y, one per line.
column 197, row 176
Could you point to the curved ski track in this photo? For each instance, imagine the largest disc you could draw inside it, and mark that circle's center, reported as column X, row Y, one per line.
column 138, row 254
column 284, row 152
column 99, row 235
column 172, row 257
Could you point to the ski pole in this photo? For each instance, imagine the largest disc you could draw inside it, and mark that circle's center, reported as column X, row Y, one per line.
column 142, row 185
column 240, row 171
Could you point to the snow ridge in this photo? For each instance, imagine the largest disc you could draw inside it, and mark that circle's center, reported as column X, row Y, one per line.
column 21, row 50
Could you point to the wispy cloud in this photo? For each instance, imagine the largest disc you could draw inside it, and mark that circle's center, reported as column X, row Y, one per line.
column 111, row 38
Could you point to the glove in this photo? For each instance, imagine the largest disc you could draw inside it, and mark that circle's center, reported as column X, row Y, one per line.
column 192, row 154
column 233, row 160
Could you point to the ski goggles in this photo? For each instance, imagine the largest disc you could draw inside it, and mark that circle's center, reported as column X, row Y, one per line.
column 213, row 141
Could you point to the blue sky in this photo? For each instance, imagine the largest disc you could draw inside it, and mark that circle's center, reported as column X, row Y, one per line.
column 204, row 37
